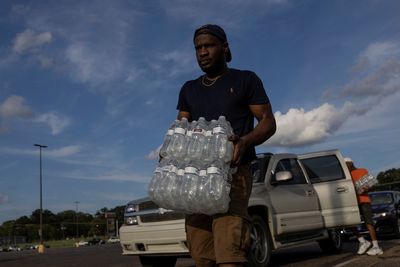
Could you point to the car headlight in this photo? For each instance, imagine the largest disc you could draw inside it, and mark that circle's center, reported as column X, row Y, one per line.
column 130, row 219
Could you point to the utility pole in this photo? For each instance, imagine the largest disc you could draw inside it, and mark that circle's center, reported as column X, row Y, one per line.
column 41, row 247
column 76, row 218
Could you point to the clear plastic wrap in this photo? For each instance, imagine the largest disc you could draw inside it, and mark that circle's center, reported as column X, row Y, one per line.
column 195, row 177
column 365, row 183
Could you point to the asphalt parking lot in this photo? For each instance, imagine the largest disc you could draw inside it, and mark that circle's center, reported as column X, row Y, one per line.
column 109, row 255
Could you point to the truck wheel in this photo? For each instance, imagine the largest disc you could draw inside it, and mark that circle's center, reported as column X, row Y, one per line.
column 333, row 244
column 162, row 261
column 261, row 245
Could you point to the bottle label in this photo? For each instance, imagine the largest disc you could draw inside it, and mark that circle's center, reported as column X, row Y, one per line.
column 203, row 173
column 173, row 169
column 218, row 129
column 191, row 170
column 212, row 170
column 170, row 132
column 189, row 133
column 198, row 131
column 208, row 133
column 180, row 130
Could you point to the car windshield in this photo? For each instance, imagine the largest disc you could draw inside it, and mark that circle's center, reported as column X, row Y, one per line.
column 381, row 198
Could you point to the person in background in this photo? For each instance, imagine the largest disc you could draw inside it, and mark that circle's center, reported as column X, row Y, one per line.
column 223, row 239
column 364, row 203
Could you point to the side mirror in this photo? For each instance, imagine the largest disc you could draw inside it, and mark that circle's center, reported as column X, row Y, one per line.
column 283, row 176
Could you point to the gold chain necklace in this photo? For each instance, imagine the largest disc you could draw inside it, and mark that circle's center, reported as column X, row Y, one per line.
column 212, row 81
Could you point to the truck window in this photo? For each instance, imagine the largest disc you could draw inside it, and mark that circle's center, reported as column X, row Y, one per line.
column 259, row 167
column 292, row 166
column 323, row 169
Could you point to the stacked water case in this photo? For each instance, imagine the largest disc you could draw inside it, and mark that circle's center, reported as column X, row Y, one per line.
column 194, row 174
column 365, row 183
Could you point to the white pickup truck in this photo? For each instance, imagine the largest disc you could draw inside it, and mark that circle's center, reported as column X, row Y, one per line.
column 296, row 199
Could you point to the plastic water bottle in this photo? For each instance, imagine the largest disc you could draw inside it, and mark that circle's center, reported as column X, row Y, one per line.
column 179, row 140
column 365, row 182
column 218, row 188
column 197, row 140
column 165, row 150
column 154, row 183
column 189, row 187
column 176, row 189
column 222, row 146
column 155, row 186
column 208, row 151
column 202, row 201
column 167, row 184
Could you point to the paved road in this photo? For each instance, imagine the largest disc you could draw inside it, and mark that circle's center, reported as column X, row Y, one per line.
column 109, row 255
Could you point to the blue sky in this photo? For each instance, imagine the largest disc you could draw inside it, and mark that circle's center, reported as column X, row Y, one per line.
column 98, row 81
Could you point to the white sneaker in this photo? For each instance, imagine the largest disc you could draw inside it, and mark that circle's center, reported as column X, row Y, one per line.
column 375, row 251
column 364, row 246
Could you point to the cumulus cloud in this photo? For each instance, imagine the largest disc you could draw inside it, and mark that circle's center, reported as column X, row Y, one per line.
column 375, row 76
column 375, row 54
column 299, row 127
column 376, row 72
column 13, row 107
column 55, row 121
column 3, row 199
column 28, row 39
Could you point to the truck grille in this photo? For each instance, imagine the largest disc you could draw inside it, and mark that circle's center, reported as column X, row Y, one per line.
column 168, row 216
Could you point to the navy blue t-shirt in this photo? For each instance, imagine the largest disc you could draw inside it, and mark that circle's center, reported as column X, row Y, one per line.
column 229, row 96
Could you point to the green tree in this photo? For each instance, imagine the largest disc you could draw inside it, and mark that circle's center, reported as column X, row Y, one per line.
column 389, row 176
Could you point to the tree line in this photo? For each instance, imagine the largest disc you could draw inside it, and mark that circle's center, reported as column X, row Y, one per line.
column 62, row 225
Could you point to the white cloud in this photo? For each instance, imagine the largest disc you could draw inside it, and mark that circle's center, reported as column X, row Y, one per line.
column 375, row 54
column 12, row 108
column 55, row 121
column 51, row 153
column 117, row 175
column 28, row 39
column 89, row 65
column 3, row 199
column 381, row 82
column 64, row 151
column 299, row 127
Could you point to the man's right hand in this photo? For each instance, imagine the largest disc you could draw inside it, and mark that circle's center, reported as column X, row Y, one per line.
column 239, row 147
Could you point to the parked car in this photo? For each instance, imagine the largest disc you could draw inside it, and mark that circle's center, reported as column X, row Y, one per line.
column 386, row 214
column 82, row 243
column 95, row 241
column 113, row 239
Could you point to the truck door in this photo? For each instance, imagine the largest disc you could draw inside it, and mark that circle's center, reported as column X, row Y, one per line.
column 295, row 202
column 331, row 179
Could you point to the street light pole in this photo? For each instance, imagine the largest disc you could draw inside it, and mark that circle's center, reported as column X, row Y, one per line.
column 76, row 218
column 41, row 202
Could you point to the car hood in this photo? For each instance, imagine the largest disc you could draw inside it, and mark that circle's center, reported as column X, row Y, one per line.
column 382, row 208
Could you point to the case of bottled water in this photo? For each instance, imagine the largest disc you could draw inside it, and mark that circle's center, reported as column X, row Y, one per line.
column 365, row 183
column 194, row 174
